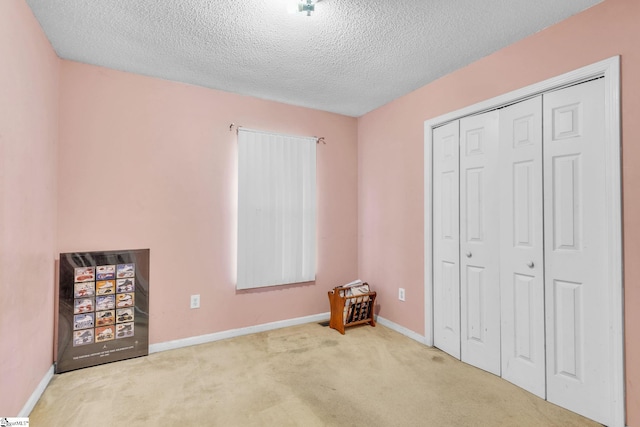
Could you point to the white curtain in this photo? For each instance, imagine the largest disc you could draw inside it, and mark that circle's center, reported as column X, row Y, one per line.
column 276, row 209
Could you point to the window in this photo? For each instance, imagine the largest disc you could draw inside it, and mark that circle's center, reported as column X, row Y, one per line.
column 276, row 209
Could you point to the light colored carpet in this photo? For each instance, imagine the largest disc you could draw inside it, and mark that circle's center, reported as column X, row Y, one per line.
column 306, row 375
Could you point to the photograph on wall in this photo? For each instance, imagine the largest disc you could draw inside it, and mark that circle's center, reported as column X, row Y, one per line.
column 125, row 285
column 82, row 337
column 105, row 287
column 83, row 321
column 82, row 305
column 84, row 289
column 85, row 274
column 125, row 300
column 105, row 302
column 105, row 272
column 104, row 333
column 124, row 330
column 124, row 315
column 126, row 270
column 103, row 313
column 105, row 317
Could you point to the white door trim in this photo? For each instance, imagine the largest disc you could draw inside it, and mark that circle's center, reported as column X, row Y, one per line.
column 610, row 70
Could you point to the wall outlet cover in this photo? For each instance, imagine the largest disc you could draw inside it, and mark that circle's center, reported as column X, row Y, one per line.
column 195, row 301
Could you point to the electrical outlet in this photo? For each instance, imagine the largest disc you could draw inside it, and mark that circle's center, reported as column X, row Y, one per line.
column 401, row 294
column 195, row 301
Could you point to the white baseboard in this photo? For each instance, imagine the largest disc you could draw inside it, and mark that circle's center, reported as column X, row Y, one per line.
column 401, row 329
column 37, row 393
column 202, row 339
column 217, row 336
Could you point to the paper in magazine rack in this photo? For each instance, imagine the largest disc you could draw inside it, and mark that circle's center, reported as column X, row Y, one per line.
column 351, row 305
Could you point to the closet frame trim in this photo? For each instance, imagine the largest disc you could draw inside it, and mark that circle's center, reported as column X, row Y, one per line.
column 609, row 69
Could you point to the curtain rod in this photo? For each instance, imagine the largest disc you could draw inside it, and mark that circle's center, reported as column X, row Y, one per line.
column 319, row 139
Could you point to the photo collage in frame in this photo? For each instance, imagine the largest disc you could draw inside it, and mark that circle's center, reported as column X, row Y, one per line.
column 103, row 304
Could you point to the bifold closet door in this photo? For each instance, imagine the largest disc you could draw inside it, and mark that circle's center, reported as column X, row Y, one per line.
column 446, row 241
column 479, row 242
column 576, row 252
column 521, row 246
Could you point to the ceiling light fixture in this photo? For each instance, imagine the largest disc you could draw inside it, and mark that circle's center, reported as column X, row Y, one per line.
column 302, row 6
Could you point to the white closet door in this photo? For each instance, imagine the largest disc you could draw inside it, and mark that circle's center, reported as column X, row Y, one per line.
column 578, row 342
column 479, row 242
column 521, row 246
column 446, row 240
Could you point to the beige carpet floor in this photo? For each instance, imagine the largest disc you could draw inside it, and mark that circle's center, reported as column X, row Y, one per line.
column 306, row 375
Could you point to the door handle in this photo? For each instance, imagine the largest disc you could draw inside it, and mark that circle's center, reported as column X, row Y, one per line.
column 530, row 264
column 468, row 254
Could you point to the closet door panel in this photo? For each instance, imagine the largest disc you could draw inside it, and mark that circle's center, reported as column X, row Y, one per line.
column 577, row 329
column 479, row 242
column 446, row 239
column 521, row 246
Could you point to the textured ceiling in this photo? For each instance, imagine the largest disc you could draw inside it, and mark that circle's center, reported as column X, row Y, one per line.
column 349, row 57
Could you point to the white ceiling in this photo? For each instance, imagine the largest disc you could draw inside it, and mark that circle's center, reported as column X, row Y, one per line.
column 349, row 57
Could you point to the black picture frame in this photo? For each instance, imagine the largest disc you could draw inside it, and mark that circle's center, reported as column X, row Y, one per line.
column 107, row 320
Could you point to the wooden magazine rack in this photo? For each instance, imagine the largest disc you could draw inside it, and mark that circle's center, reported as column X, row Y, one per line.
column 350, row 310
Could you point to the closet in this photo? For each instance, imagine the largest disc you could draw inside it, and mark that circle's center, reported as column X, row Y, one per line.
column 520, row 250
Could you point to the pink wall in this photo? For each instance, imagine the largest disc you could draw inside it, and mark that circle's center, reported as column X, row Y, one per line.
column 28, row 139
column 148, row 163
column 390, row 156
